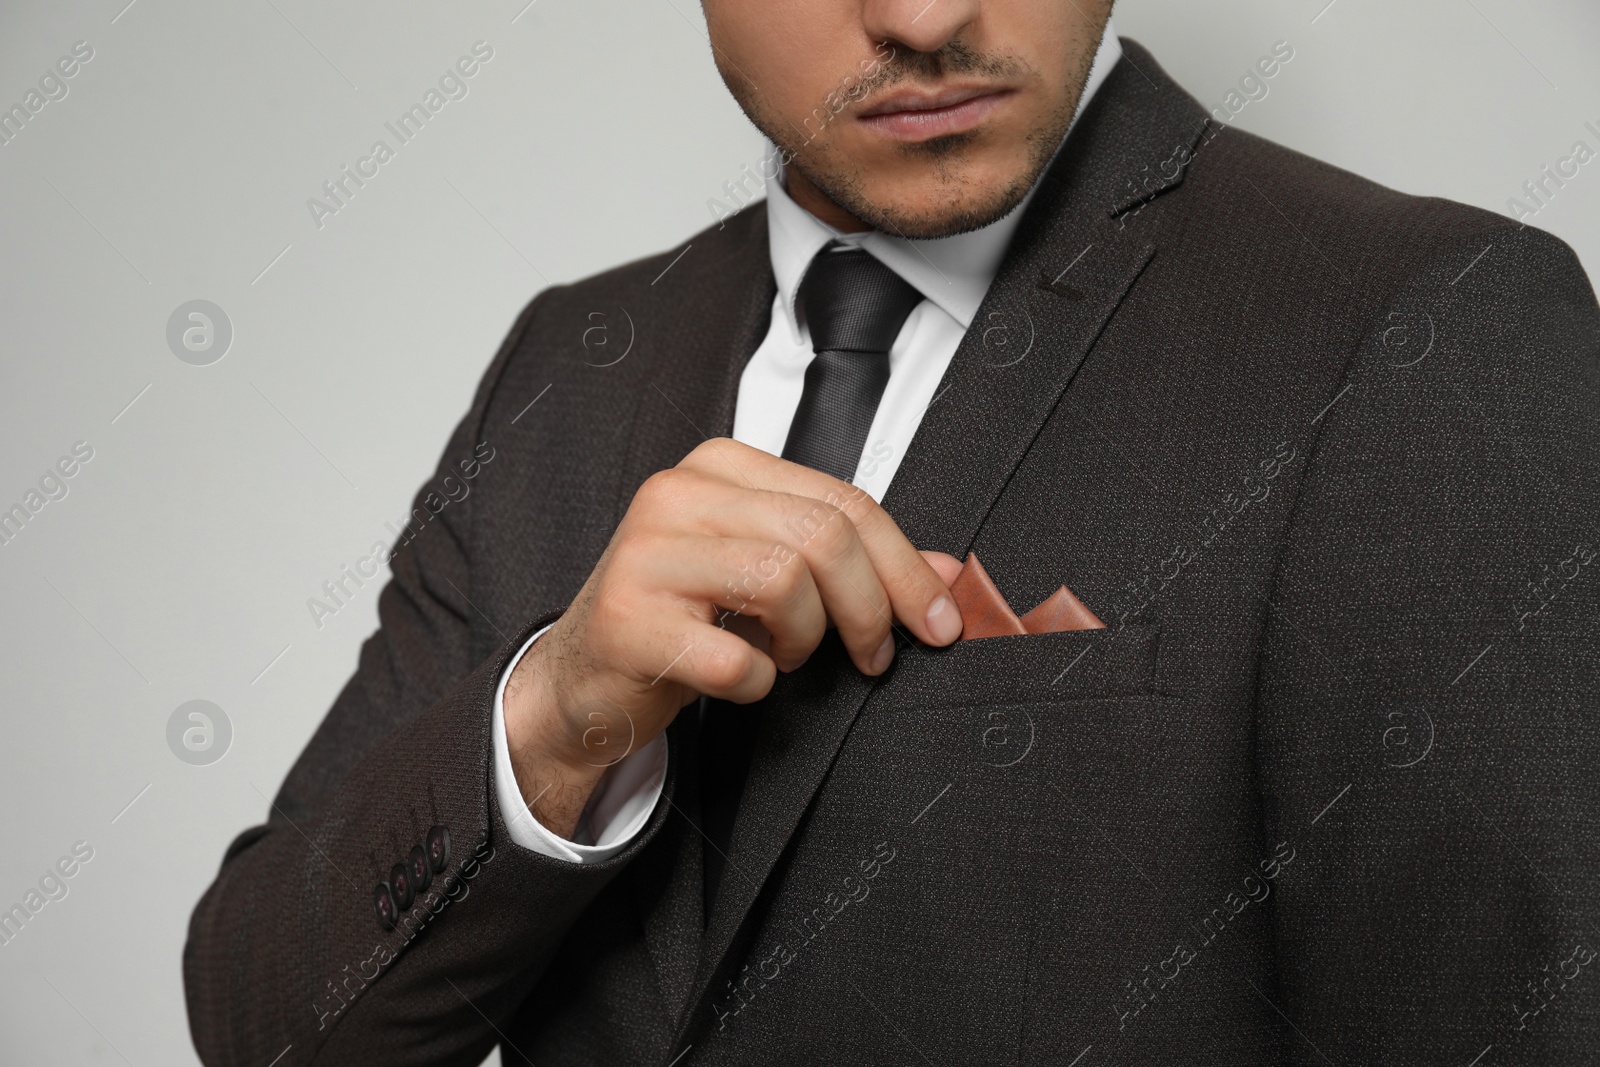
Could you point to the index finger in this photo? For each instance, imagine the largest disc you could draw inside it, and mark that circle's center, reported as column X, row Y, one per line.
column 919, row 597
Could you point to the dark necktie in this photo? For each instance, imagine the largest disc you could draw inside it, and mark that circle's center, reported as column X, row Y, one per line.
column 855, row 307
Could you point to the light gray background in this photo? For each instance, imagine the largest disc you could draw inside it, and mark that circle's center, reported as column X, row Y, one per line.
column 178, row 167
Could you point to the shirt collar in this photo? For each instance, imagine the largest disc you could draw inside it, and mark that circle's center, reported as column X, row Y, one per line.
column 953, row 272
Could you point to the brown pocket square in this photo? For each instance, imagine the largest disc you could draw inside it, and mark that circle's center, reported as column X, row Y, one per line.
column 985, row 612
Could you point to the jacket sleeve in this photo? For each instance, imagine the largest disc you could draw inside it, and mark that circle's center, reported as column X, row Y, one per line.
column 1429, row 696
column 286, row 954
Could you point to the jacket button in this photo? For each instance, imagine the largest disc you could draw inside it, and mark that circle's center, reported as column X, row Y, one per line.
column 417, row 866
column 384, row 904
column 439, row 848
column 400, row 886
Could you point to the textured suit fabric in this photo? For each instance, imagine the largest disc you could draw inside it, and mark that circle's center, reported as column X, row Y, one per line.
column 1323, row 458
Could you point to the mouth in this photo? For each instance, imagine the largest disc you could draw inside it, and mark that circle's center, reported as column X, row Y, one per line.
column 919, row 115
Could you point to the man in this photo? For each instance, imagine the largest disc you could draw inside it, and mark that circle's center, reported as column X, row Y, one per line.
column 667, row 751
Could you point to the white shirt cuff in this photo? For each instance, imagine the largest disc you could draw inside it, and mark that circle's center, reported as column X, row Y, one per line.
column 618, row 810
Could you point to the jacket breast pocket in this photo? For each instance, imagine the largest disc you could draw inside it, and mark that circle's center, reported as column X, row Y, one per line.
column 933, row 849
column 1026, row 669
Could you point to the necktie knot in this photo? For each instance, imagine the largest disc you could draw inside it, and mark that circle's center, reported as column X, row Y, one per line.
column 853, row 303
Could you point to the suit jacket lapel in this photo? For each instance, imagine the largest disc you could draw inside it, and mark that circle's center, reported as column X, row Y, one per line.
column 707, row 316
column 1073, row 260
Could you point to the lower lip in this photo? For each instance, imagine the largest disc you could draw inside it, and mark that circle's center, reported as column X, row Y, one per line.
column 935, row 122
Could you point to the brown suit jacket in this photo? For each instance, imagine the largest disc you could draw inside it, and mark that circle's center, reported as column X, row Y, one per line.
column 1323, row 457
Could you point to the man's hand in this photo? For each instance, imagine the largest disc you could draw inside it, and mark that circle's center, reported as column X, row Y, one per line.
column 731, row 529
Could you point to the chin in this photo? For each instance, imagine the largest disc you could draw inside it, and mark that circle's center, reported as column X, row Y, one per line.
column 941, row 212
column 936, row 188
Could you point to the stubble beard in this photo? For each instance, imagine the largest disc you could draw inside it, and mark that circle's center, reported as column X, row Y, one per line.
column 966, row 208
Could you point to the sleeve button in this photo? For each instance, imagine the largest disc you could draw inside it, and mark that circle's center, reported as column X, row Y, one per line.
column 400, row 886
column 417, row 865
column 383, row 902
column 439, row 848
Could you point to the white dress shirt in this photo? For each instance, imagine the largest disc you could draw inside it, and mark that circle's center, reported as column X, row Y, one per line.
column 952, row 274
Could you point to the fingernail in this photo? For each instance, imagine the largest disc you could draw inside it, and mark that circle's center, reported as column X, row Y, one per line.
column 944, row 621
column 884, row 656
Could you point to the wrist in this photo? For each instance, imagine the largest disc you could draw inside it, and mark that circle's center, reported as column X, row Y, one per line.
column 552, row 750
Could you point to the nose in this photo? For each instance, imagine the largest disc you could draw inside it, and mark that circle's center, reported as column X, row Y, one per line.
column 920, row 25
